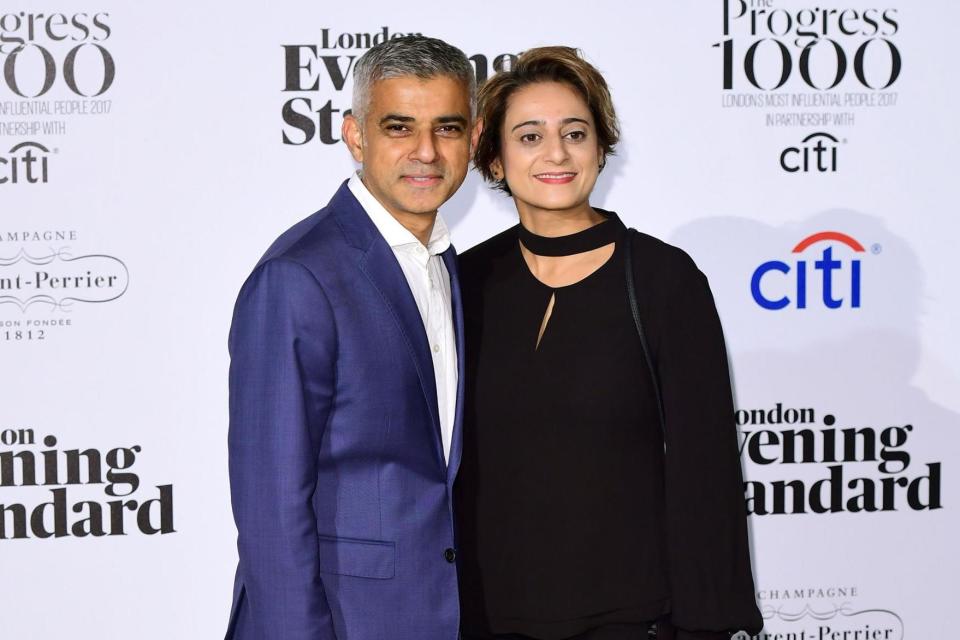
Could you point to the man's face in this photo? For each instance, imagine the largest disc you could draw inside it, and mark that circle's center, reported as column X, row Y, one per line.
column 415, row 142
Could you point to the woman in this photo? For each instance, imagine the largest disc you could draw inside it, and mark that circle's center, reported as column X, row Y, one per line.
column 581, row 514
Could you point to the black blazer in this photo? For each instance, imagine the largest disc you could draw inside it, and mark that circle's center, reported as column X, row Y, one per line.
column 704, row 529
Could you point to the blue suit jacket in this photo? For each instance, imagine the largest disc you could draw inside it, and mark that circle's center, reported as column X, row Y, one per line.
column 340, row 491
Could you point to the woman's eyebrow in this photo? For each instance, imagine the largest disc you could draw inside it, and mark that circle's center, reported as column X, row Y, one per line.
column 565, row 121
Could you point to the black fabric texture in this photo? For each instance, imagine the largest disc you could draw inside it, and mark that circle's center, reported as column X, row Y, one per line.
column 576, row 514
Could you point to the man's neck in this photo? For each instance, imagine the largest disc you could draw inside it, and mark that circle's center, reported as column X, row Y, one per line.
column 419, row 224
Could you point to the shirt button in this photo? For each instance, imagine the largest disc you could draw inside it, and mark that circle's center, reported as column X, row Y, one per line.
column 449, row 555
column 436, row 348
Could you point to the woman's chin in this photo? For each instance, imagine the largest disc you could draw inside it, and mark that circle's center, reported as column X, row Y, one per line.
column 554, row 204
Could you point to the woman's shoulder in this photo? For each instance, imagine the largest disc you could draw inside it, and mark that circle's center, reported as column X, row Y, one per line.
column 668, row 280
column 669, row 264
column 480, row 258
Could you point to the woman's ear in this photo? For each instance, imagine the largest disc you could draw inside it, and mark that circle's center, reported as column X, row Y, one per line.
column 496, row 168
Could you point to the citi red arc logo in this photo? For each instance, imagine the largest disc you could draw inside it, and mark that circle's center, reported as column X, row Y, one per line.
column 779, row 276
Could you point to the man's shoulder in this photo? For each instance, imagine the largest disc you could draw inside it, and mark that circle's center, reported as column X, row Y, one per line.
column 317, row 248
column 319, row 240
column 303, row 239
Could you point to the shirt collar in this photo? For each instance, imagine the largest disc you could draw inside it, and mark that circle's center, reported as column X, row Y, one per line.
column 390, row 228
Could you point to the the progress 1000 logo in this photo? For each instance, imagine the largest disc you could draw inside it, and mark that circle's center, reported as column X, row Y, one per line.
column 51, row 45
column 764, row 46
column 782, row 284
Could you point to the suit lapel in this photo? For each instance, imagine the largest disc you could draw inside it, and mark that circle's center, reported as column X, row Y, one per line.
column 380, row 266
column 450, row 260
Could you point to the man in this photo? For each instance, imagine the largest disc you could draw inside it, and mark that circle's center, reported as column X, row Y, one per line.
column 346, row 378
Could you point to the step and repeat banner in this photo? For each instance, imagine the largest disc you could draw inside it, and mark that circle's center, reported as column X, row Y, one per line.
column 802, row 152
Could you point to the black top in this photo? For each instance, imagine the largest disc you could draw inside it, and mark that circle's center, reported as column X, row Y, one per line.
column 570, row 517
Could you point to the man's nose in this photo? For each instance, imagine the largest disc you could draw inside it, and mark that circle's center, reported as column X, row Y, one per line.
column 426, row 149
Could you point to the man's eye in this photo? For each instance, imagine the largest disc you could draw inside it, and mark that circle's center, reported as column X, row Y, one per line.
column 396, row 128
column 450, row 130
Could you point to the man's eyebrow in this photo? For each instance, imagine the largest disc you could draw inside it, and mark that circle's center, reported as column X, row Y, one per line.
column 455, row 118
column 395, row 117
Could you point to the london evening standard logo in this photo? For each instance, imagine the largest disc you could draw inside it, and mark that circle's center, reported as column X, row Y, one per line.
column 837, row 270
column 40, row 290
column 830, row 468
column 54, row 68
column 316, row 74
column 48, row 491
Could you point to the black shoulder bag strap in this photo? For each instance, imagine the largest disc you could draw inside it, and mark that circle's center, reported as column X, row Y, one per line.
column 635, row 309
column 655, row 629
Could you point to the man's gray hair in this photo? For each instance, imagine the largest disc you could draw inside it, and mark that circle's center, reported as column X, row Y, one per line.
column 412, row 55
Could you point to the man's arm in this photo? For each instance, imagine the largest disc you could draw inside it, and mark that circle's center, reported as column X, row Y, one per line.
column 282, row 379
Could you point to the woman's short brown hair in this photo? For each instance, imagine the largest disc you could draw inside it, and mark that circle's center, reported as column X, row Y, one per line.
column 542, row 64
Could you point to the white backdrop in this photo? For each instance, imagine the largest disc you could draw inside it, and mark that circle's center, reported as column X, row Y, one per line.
column 124, row 238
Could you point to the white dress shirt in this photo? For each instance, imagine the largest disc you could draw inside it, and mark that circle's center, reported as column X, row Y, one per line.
column 430, row 284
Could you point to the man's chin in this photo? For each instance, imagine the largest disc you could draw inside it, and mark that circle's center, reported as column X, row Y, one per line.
column 425, row 201
column 422, row 209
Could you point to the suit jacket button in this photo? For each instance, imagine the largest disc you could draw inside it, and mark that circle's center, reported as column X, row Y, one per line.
column 449, row 555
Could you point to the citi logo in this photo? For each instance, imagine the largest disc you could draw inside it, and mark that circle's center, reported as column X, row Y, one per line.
column 817, row 153
column 777, row 284
column 25, row 162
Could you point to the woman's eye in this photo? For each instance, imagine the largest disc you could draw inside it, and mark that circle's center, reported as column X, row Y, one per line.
column 529, row 137
column 577, row 135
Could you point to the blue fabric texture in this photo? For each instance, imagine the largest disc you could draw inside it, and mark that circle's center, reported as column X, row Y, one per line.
column 340, row 492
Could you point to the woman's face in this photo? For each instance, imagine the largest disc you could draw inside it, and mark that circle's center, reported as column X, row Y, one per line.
column 549, row 150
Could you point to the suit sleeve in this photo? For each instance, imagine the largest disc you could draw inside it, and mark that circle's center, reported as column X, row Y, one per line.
column 712, row 591
column 282, row 380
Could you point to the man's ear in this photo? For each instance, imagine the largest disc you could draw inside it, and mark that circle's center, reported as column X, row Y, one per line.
column 475, row 135
column 352, row 134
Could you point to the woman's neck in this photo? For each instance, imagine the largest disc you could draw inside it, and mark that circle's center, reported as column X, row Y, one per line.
column 554, row 223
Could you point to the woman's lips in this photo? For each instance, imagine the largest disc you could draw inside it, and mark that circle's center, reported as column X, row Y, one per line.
column 559, row 177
